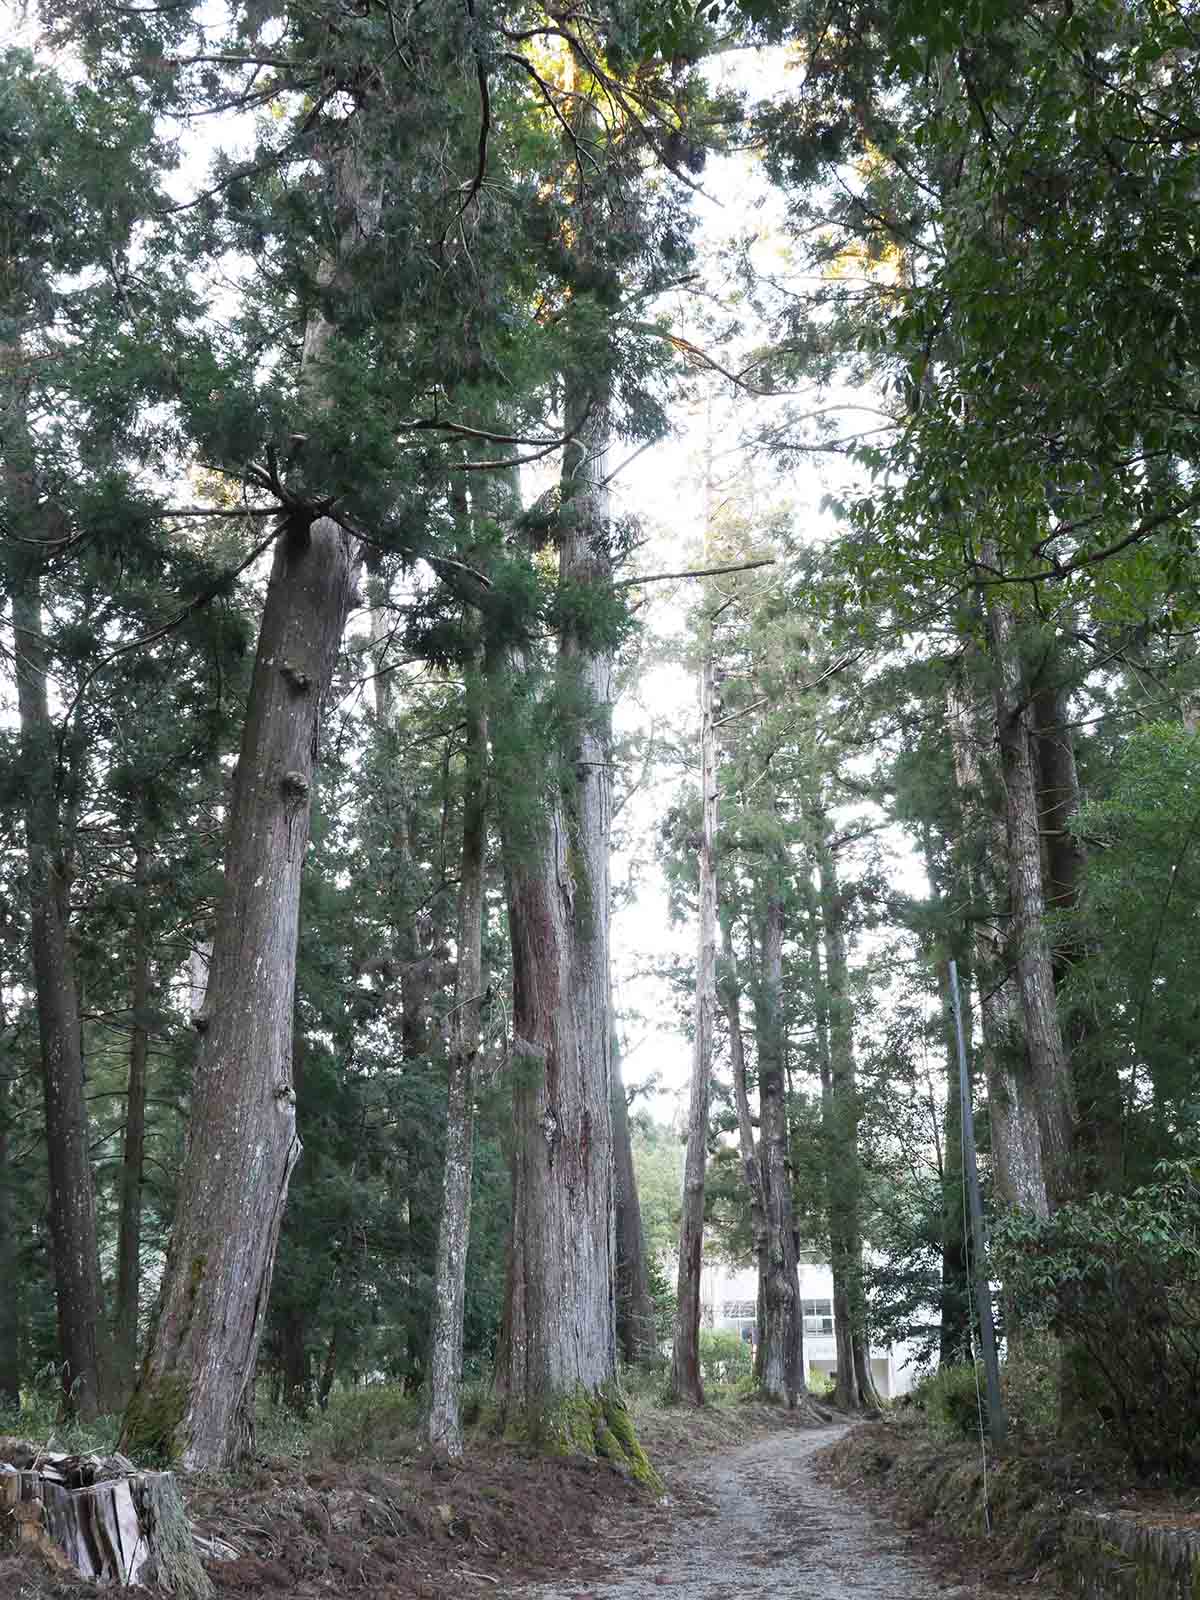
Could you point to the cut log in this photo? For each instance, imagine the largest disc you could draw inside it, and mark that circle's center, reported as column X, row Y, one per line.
column 99, row 1518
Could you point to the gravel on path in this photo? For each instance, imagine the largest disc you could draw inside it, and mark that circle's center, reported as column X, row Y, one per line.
column 757, row 1523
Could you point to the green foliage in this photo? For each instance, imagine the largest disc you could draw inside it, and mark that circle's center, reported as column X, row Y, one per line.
column 1140, row 940
column 955, row 1401
column 1117, row 1279
column 725, row 1358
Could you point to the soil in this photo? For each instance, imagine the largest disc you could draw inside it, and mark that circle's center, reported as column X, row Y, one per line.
column 757, row 1523
column 741, row 1521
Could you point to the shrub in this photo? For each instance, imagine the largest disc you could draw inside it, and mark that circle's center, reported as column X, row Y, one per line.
column 724, row 1357
column 1117, row 1279
column 378, row 1420
column 955, row 1401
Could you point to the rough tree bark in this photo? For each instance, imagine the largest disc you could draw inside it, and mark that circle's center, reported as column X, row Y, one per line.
column 1028, row 945
column 10, row 1300
column 1097, row 1084
column 781, row 1330
column 1012, row 1104
column 730, row 995
column 635, row 1307
column 557, row 1350
column 72, row 1203
column 194, row 1401
column 129, row 1203
column 839, row 1098
column 955, row 1320
column 686, row 1382
column 446, row 1353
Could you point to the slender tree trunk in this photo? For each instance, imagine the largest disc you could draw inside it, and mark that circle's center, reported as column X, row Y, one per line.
column 782, row 1329
column 10, row 1299
column 558, row 1331
column 72, row 1203
column 955, row 1304
column 686, row 1383
column 1017, row 1166
column 446, row 1359
column 129, row 1205
column 855, row 1387
column 1028, row 944
column 635, row 1307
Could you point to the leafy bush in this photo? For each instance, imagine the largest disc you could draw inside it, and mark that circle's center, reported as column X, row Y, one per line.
column 955, row 1401
column 1117, row 1279
column 379, row 1420
column 724, row 1357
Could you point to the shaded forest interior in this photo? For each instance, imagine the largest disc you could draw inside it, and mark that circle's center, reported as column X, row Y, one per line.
column 474, row 475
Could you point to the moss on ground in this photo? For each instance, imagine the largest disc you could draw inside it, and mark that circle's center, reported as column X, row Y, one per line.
column 596, row 1424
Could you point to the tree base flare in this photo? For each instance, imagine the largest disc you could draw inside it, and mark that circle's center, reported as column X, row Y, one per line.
column 595, row 1424
column 98, row 1518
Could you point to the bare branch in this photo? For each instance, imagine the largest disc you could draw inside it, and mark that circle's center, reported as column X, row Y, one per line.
column 695, row 572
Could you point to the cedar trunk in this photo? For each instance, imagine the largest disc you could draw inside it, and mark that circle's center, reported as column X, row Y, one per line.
column 839, row 1099
column 729, row 991
column 955, row 1304
column 781, row 1326
column 10, row 1302
column 558, row 1332
column 1017, row 1166
column 1097, row 1083
column 635, row 1307
column 686, row 1383
column 194, row 1401
column 1028, row 943
column 129, row 1225
column 446, row 1353
column 72, row 1203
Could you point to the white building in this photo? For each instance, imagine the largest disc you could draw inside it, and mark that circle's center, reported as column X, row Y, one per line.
column 728, row 1302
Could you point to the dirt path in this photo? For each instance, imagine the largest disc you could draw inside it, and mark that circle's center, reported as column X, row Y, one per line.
column 756, row 1524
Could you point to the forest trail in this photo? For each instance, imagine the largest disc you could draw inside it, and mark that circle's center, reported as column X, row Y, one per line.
column 754, row 1523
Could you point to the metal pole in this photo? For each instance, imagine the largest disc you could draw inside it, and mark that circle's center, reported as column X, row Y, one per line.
column 997, row 1423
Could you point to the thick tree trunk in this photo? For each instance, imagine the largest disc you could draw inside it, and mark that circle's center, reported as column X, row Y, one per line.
column 781, row 1331
column 635, row 1307
column 446, row 1355
column 72, row 1204
column 1097, row 1084
column 686, row 1383
column 194, row 1403
column 129, row 1204
column 1017, row 1168
column 855, row 1388
column 1028, row 944
column 729, row 993
column 558, row 1333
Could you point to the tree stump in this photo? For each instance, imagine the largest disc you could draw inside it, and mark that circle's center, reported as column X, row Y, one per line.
column 100, row 1519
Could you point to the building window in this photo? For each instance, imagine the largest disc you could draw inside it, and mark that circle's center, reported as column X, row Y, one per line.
column 818, row 1316
column 735, row 1310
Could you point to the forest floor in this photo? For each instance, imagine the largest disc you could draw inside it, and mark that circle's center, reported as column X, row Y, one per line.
column 757, row 1505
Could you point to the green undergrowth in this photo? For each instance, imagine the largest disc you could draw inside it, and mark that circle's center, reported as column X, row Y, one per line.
column 1012, row 1509
column 39, row 1417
